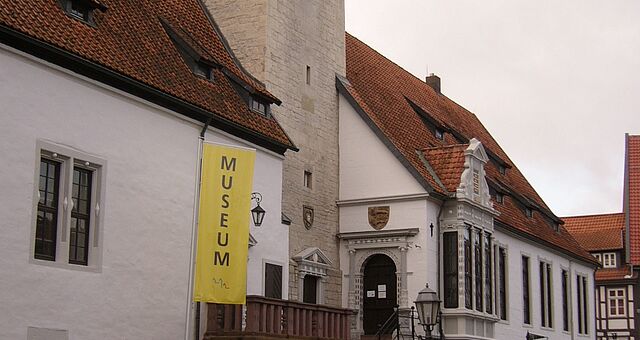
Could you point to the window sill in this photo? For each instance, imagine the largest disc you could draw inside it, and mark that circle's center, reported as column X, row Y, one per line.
column 470, row 313
column 69, row 266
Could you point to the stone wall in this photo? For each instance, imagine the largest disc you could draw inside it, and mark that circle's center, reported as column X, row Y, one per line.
column 276, row 40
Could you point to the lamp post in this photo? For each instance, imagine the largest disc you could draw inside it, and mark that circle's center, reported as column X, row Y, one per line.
column 428, row 308
column 257, row 213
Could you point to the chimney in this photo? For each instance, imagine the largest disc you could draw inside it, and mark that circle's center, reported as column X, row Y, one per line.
column 433, row 81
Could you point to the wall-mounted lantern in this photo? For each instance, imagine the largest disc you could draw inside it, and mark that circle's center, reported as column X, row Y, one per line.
column 257, row 213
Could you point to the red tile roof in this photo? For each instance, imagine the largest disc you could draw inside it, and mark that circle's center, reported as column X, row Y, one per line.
column 128, row 38
column 448, row 163
column 633, row 196
column 385, row 93
column 597, row 232
column 615, row 274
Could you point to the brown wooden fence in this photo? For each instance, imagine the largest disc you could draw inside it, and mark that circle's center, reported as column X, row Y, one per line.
column 278, row 318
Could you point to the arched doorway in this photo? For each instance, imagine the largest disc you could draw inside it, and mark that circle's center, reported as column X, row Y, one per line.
column 379, row 292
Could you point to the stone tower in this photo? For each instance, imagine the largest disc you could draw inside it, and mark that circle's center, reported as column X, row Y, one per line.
column 297, row 48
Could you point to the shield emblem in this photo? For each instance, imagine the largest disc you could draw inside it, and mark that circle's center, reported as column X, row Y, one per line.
column 307, row 216
column 378, row 217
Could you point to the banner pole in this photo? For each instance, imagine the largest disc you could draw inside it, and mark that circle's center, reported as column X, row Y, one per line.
column 188, row 332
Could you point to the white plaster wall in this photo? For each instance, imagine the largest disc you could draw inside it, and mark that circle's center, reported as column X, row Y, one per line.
column 514, row 328
column 402, row 215
column 141, row 292
column 367, row 167
column 422, row 260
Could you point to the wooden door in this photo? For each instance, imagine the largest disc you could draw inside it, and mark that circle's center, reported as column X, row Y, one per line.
column 379, row 292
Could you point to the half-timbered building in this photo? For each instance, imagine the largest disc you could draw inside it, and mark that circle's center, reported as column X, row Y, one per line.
column 613, row 239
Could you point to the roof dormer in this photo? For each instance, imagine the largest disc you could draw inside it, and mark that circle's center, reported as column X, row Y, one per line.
column 83, row 10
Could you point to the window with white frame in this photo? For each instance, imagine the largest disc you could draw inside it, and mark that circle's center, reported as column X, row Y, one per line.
column 66, row 227
column 616, row 301
column 609, row 260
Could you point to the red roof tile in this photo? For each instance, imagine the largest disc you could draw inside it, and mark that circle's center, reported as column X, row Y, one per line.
column 597, row 232
column 448, row 163
column 385, row 92
column 128, row 38
column 615, row 274
column 633, row 193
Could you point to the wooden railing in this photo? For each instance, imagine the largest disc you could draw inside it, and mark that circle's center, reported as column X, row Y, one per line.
column 279, row 319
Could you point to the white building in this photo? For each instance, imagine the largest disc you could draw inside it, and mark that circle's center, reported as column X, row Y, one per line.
column 427, row 196
column 103, row 105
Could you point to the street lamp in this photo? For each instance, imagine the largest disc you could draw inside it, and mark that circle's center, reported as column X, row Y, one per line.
column 428, row 308
column 257, row 213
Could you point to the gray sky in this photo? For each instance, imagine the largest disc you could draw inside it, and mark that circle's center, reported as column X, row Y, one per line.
column 557, row 83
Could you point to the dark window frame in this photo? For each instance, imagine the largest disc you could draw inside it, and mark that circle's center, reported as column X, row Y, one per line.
column 468, row 265
column 77, row 215
column 450, row 269
column 273, row 280
column 526, row 297
column 565, row 299
column 502, row 286
column 45, row 208
column 488, row 263
column 259, row 106
column 478, row 262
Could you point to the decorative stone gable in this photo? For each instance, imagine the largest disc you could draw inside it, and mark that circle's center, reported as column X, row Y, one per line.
column 473, row 184
column 312, row 261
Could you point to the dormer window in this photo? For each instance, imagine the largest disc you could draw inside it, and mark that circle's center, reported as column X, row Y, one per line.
column 439, row 134
column 499, row 197
column 82, row 10
column 259, row 106
column 203, row 70
column 528, row 212
column 502, row 169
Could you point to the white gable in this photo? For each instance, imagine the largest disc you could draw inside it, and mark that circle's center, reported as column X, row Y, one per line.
column 367, row 166
column 473, row 184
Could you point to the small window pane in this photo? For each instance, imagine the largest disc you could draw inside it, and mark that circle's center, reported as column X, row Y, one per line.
column 80, row 216
column 273, row 281
column 46, row 223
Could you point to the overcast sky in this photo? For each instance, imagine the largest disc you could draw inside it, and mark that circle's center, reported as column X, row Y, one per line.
column 557, row 83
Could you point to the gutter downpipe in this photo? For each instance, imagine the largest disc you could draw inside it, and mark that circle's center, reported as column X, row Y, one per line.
column 195, row 332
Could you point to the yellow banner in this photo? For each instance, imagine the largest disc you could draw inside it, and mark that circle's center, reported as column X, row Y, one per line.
column 223, row 224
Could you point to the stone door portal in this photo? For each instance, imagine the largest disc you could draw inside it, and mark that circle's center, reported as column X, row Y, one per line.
column 379, row 292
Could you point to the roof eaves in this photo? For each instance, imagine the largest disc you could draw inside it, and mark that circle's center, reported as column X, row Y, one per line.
column 341, row 86
column 515, row 231
column 105, row 75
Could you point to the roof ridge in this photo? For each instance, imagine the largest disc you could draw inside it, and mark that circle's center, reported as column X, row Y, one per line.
column 389, row 60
